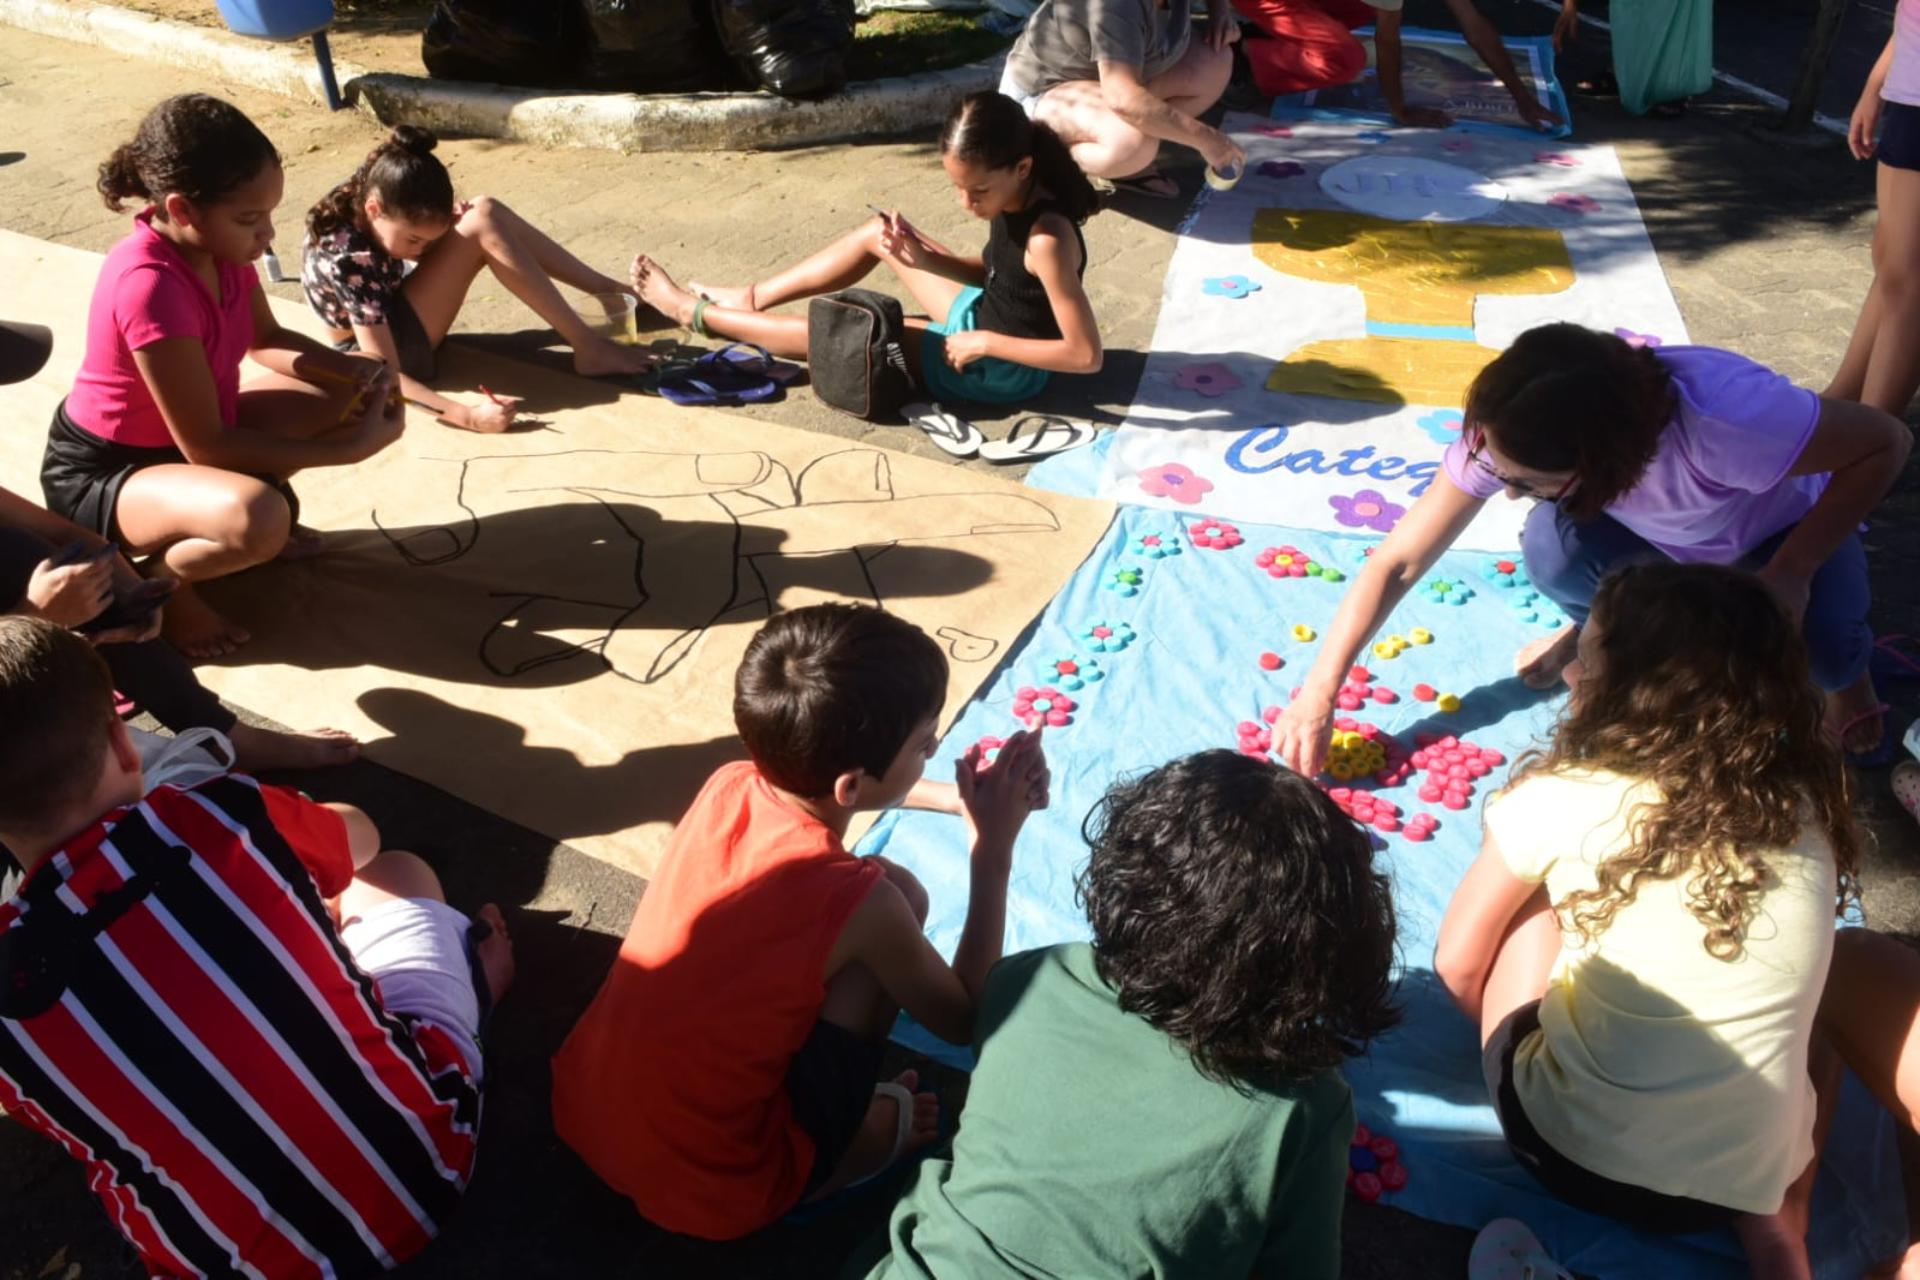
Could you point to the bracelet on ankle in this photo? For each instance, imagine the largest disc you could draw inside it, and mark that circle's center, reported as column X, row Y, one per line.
column 699, row 325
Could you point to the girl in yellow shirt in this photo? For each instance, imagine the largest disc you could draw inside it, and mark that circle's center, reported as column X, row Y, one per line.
column 1646, row 934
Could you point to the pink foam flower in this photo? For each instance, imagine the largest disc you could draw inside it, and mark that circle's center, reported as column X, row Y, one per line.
column 1174, row 480
column 1575, row 203
column 1208, row 378
column 1045, row 705
column 1215, row 535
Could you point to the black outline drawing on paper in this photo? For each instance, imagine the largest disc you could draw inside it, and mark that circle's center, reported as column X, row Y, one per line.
column 839, row 515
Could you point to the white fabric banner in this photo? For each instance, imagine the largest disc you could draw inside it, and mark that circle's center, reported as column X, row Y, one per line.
column 1320, row 321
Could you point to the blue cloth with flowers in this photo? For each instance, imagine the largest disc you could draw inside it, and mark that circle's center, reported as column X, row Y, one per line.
column 1165, row 642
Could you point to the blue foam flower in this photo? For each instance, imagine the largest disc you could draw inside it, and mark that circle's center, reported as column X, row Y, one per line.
column 1442, row 425
column 1070, row 671
column 1125, row 581
column 1155, row 545
column 1104, row 636
column 1448, row 591
column 1229, row 286
column 1502, row 572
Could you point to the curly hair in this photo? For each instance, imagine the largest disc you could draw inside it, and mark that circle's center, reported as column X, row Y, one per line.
column 1702, row 691
column 1567, row 398
column 402, row 172
column 1235, row 908
column 192, row 144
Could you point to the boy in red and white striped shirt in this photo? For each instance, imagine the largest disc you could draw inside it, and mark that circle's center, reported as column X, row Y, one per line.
column 259, row 1032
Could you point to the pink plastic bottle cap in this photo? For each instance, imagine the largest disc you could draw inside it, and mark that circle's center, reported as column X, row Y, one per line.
column 1340, row 795
column 1362, row 1135
column 1270, row 715
column 1492, row 757
column 1360, row 675
column 1479, row 768
column 1454, row 800
column 1248, row 728
column 1425, row 693
column 1415, row 833
column 1393, row 1175
column 1367, row 1186
column 1347, row 702
column 1369, row 731
column 1418, row 759
column 1384, row 1147
column 1431, row 794
column 1383, row 694
column 1386, row 822
column 1458, row 771
column 1270, row 662
column 1346, row 724
column 1449, row 741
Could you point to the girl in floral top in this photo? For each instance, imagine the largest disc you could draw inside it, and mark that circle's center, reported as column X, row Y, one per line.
column 390, row 255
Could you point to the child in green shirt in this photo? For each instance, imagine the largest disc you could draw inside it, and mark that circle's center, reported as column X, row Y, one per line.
column 1165, row 1101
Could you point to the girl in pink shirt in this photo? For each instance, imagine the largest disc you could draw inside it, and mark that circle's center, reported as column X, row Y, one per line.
column 159, row 447
column 1882, row 364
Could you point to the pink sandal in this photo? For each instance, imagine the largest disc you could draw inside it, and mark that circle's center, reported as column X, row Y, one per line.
column 1906, row 786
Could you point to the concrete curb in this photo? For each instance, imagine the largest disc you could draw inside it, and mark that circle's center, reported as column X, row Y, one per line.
column 613, row 121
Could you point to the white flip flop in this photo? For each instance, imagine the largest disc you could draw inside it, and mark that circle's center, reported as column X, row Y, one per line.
column 1039, row 435
column 903, row 1128
column 952, row 433
column 1506, row 1249
column 1906, row 786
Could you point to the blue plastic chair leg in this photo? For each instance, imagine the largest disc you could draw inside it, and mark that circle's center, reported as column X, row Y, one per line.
column 325, row 57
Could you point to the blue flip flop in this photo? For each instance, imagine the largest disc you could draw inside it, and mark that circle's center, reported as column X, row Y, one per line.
column 717, row 378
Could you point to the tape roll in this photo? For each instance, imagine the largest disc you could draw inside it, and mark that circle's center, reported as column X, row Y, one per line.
column 1225, row 181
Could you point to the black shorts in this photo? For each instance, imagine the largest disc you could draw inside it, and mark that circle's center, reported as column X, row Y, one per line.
column 81, row 474
column 1578, row 1186
column 410, row 338
column 830, row 1084
column 1899, row 143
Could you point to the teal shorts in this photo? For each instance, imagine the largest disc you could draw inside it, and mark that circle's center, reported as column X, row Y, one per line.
column 986, row 380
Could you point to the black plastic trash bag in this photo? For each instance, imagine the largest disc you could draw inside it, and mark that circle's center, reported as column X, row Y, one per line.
column 797, row 48
column 525, row 42
column 651, row 46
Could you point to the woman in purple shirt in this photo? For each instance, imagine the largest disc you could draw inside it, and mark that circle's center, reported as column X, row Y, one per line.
column 1687, row 453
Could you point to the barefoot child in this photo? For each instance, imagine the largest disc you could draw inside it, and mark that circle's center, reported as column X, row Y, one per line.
column 1166, row 1100
column 1002, row 320
column 726, row 1072
column 159, row 447
column 52, row 568
column 262, row 1081
column 389, row 258
column 1882, row 364
column 1689, row 454
column 1645, row 935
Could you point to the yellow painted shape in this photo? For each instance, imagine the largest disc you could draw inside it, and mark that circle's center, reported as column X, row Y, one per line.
column 1392, row 371
column 1412, row 272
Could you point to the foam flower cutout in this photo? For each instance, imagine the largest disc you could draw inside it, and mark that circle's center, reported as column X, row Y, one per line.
column 1291, row 562
column 1215, row 535
column 1045, row 704
column 1155, row 546
column 1367, row 509
column 1448, row 591
column 1575, row 203
column 1443, row 426
column 1103, row 636
column 1125, row 582
column 1504, row 573
column 1633, row 339
column 1280, row 169
column 1229, row 286
column 1531, row 606
column 1209, row 379
column 1558, row 159
column 1176, row 481
column 1072, row 672
column 1273, row 130
column 989, row 749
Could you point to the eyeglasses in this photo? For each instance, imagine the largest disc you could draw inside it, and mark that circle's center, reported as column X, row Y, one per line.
column 1476, row 454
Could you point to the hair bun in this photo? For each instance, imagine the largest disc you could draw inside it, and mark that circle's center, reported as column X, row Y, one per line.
column 411, row 137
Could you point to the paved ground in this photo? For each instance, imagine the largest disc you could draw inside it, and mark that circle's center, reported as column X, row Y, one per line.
column 1765, row 245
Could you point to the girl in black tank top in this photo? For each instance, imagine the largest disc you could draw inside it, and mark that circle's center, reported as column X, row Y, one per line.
column 998, row 323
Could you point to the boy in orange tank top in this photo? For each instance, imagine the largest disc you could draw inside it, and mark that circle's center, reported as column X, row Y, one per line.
column 727, row 1071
